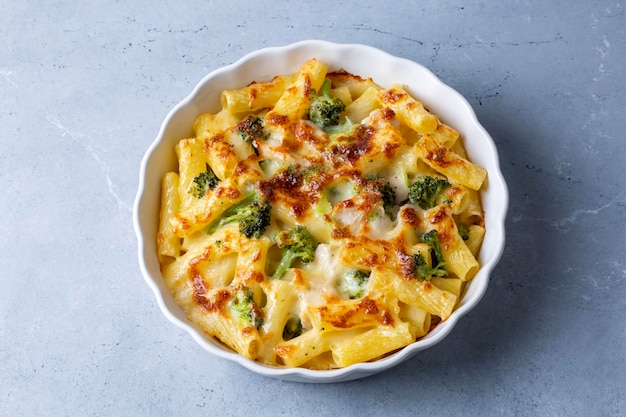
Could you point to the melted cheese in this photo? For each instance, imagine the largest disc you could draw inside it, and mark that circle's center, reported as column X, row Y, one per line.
column 323, row 182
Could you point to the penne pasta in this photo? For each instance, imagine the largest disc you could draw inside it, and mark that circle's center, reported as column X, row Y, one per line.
column 459, row 259
column 410, row 111
column 319, row 238
column 363, row 105
column 447, row 162
column 371, row 344
column 168, row 244
column 295, row 100
column 256, row 96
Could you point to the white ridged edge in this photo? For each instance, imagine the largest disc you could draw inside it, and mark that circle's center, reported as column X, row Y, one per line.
column 363, row 60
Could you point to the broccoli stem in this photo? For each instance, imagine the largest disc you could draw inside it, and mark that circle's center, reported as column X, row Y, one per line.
column 245, row 309
column 203, row 182
column 423, row 271
column 297, row 243
column 252, row 213
column 325, row 88
column 285, row 263
column 432, row 239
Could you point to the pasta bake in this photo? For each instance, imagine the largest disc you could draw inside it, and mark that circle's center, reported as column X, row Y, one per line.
column 319, row 220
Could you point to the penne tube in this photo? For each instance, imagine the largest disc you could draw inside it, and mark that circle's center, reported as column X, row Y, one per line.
column 420, row 294
column 256, row 96
column 408, row 110
column 459, row 259
column 371, row 344
column 168, row 244
column 362, row 106
column 450, row 164
column 295, row 100
column 208, row 125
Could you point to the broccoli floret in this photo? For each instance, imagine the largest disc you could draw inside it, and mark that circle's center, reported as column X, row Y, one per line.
column 293, row 328
column 297, row 244
column 388, row 195
column 244, row 308
column 313, row 179
column 423, row 271
column 339, row 131
column 353, row 282
column 252, row 213
column 323, row 204
column 311, row 173
column 325, row 110
column 432, row 239
column 251, row 130
column 204, row 181
column 425, row 190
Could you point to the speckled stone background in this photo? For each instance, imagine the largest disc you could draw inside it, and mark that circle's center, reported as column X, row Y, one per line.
column 83, row 91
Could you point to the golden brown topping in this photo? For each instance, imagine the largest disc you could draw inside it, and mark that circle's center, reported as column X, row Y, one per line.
column 298, row 278
column 409, row 216
column 179, row 222
column 373, row 260
column 342, row 74
column 245, row 169
column 339, row 233
column 438, row 156
column 218, row 146
column 227, row 192
column 358, row 145
column 287, row 186
column 439, row 216
column 387, row 318
column 386, row 114
column 306, row 91
column 368, row 305
column 481, row 221
column 215, row 305
column 286, row 181
column 298, row 209
column 277, row 120
column 253, row 276
column 392, row 96
column 445, row 240
column 284, row 351
column 248, row 330
column 406, row 263
column 305, row 133
column 345, row 204
column 344, row 317
column 266, row 190
column 453, row 191
column 252, row 96
column 389, row 149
